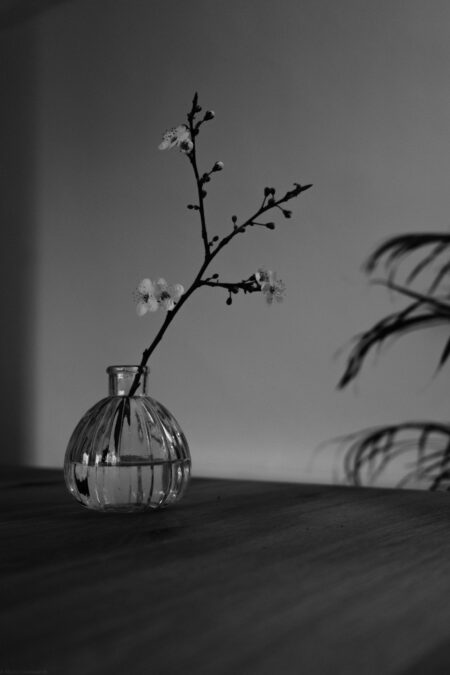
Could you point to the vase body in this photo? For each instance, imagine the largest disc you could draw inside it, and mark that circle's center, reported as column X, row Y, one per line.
column 127, row 453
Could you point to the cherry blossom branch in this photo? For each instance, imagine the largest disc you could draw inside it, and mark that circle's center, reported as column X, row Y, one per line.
column 151, row 295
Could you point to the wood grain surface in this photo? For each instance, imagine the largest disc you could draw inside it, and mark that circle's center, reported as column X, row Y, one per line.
column 240, row 577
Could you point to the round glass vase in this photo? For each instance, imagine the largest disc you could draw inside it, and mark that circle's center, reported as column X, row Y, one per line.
column 127, row 453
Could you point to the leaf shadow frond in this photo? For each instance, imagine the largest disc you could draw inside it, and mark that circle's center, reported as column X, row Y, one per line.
column 369, row 452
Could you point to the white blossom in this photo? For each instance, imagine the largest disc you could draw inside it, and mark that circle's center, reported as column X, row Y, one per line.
column 150, row 295
column 177, row 137
column 271, row 287
column 145, row 297
column 168, row 296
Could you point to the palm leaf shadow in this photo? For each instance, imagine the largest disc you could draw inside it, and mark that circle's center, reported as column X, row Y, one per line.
column 369, row 452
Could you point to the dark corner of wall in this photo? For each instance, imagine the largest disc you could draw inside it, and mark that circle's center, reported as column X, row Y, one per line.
column 17, row 243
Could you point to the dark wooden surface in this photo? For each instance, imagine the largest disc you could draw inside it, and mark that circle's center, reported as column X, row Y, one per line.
column 240, row 577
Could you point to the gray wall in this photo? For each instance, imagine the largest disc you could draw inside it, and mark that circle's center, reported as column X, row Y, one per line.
column 351, row 96
column 18, row 227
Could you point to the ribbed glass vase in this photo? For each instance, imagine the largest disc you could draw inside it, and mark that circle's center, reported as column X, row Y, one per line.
column 127, row 453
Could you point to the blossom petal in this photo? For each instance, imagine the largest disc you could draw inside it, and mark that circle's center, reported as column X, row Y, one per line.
column 165, row 144
column 168, row 304
column 141, row 308
column 152, row 304
column 145, row 287
column 183, row 133
column 161, row 285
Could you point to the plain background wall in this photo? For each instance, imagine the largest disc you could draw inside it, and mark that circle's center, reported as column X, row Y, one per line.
column 352, row 96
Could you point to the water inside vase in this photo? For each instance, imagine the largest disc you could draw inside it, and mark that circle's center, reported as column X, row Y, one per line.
column 137, row 487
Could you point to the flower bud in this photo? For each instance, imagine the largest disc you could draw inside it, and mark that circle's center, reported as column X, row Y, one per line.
column 218, row 166
column 177, row 291
column 209, row 115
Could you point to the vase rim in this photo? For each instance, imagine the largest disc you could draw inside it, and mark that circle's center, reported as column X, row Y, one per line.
column 134, row 369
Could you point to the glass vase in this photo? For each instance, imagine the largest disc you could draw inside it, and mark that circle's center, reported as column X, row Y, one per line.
column 127, row 453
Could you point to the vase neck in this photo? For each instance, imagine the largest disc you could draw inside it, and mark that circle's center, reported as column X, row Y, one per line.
column 122, row 377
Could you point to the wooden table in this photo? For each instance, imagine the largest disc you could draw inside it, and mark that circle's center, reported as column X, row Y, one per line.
column 240, row 577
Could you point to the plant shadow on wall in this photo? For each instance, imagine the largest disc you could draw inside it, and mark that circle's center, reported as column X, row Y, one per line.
column 408, row 261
